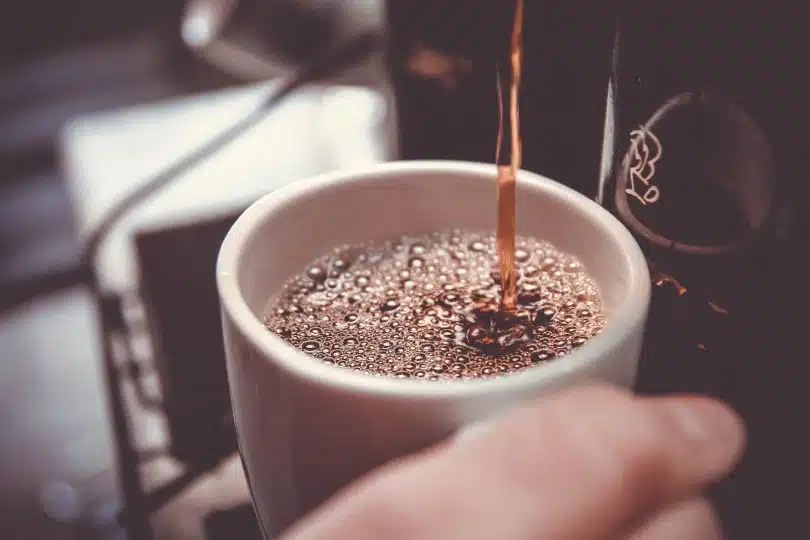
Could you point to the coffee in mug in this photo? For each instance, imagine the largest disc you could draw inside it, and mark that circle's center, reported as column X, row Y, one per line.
column 427, row 307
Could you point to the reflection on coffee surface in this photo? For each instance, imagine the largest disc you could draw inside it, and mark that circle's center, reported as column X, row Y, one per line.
column 428, row 307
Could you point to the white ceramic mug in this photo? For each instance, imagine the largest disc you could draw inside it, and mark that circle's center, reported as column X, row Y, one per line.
column 306, row 428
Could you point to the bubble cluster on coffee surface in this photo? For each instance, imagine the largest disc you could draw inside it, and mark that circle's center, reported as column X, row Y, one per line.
column 427, row 307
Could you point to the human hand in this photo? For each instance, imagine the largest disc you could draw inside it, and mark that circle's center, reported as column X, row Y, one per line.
column 593, row 463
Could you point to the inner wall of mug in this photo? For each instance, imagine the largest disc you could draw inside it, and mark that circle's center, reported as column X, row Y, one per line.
column 386, row 205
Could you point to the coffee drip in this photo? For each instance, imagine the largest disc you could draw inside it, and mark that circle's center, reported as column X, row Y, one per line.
column 507, row 174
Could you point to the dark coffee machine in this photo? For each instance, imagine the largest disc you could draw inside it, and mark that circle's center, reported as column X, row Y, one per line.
column 706, row 169
column 702, row 161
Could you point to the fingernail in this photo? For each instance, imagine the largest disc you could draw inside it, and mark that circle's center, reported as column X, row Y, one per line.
column 713, row 427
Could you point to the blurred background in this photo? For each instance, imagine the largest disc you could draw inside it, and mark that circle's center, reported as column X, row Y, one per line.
column 95, row 98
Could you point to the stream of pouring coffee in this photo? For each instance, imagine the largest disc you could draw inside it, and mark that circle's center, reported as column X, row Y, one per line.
column 507, row 174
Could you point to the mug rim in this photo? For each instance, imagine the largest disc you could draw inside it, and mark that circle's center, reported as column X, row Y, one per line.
column 630, row 313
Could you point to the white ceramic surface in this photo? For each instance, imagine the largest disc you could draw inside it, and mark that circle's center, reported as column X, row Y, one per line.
column 307, row 428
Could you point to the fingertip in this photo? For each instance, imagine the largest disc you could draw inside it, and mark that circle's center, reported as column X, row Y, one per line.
column 694, row 519
column 713, row 430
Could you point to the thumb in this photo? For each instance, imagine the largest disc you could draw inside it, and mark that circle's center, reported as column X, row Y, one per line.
column 592, row 462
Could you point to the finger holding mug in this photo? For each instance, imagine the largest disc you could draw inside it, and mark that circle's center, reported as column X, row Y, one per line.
column 593, row 463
